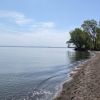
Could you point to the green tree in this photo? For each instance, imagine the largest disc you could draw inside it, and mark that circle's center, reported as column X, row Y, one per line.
column 98, row 39
column 90, row 27
column 88, row 37
column 80, row 39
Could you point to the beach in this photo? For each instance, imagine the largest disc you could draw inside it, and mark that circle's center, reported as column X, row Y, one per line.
column 84, row 83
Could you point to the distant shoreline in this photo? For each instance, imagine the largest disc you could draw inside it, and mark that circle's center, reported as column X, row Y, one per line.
column 35, row 46
column 84, row 83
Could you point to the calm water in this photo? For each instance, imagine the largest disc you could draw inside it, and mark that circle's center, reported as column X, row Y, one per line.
column 35, row 73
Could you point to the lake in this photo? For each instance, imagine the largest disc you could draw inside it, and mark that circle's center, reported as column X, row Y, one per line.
column 28, row 73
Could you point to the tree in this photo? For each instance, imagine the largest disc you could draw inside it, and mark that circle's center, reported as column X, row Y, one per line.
column 87, row 37
column 90, row 27
column 98, row 39
column 80, row 39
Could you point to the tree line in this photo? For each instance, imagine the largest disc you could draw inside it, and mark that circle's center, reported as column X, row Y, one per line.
column 87, row 37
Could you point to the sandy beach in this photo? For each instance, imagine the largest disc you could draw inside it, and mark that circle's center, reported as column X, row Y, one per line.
column 84, row 83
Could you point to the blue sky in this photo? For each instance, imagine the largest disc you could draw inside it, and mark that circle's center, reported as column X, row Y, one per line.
column 43, row 22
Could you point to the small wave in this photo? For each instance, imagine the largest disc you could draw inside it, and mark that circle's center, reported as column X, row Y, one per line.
column 35, row 94
column 39, row 94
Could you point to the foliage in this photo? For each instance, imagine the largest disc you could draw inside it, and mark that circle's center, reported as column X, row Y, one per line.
column 87, row 37
column 98, row 39
column 90, row 27
column 80, row 38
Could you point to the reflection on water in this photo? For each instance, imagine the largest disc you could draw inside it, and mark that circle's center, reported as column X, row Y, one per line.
column 35, row 73
column 77, row 55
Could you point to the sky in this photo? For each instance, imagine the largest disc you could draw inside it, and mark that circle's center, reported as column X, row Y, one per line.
column 43, row 22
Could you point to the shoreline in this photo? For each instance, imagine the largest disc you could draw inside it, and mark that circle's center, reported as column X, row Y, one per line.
column 84, row 81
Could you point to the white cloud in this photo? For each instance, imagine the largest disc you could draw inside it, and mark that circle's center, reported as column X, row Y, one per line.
column 44, row 25
column 37, row 33
column 36, row 39
column 18, row 18
column 42, row 36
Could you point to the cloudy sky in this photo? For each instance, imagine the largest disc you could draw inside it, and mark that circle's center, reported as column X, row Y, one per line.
column 43, row 22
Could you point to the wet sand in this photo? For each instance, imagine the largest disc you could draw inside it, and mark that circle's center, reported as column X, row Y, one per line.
column 84, row 83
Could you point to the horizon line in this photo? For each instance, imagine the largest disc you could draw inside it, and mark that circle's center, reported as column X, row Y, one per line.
column 38, row 46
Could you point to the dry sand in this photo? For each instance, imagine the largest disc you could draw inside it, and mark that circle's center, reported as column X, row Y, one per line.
column 85, row 82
